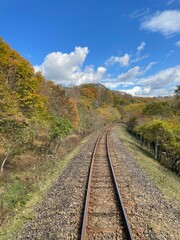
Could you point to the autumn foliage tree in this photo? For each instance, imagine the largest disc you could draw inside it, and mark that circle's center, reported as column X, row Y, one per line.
column 19, row 77
column 30, row 105
column 156, row 124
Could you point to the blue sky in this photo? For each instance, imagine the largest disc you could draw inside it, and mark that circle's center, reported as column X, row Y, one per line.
column 131, row 46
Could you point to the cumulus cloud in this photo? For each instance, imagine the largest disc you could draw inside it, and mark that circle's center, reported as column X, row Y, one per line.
column 138, row 91
column 122, row 61
column 66, row 69
column 128, row 78
column 127, row 59
column 166, row 22
column 111, row 85
column 163, row 78
column 132, row 74
column 162, row 83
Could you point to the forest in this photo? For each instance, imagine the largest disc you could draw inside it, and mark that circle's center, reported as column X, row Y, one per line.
column 41, row 121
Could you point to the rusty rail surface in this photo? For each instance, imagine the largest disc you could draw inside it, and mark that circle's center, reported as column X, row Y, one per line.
column 123, row 225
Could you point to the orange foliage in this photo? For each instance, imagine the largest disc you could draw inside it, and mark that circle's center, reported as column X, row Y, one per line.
column 89, row 92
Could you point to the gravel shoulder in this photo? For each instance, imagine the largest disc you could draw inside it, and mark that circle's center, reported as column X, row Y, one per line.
column 150, row 215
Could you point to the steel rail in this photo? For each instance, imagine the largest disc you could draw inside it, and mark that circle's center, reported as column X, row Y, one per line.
column 85, row 216
column 121, row 205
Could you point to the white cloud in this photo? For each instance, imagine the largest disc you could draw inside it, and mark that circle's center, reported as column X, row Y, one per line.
column 123, row 61
column 162, row 83
column 139, row 13
column 148, row 67
column 141, row 47
column 111, row 85
column 138, row 91
column 167, row 22
column 130, row 75
column 177, row 43
column 140, row 57
column 163, row 78
column 66, row 69
column 128, row 78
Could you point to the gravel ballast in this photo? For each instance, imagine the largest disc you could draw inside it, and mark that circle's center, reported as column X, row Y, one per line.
column 150, row 216
column 59, row 216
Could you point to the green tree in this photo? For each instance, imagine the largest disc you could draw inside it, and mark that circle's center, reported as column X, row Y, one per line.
column 161, row 109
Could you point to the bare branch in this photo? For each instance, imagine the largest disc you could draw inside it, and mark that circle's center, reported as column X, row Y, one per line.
column 4, row 161
column 3, row 138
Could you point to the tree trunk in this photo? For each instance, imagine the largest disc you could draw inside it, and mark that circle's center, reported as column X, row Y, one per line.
column 156, row 149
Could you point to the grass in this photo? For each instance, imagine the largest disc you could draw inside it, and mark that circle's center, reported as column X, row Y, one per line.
column 25, row 202
column 164, row 179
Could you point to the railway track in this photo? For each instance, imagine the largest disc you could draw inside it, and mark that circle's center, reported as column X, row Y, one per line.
column 104, row 213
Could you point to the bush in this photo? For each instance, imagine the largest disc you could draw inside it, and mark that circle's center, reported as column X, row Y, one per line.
column 61, row 128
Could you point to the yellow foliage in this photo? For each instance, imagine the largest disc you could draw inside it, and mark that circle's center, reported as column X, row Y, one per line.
column 89, row 91
column 84, row 102
column 135, row 108
column 109, row 113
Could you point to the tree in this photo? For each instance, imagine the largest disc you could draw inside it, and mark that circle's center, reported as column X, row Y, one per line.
column 60, row 105
column 158, row 108
column 60, row 128
column 158, row 132
column 16, row 136
column 9, row 104
column 131, row 124
column 19, row 77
